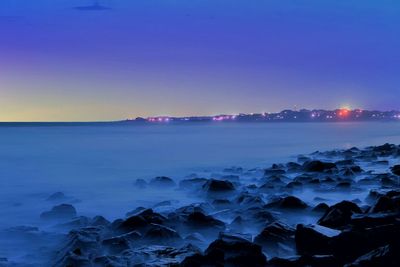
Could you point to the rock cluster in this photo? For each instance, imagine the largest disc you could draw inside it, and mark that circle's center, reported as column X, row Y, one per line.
column 256, row 218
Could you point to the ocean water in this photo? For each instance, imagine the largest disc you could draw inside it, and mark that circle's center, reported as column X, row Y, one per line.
column 97, row 164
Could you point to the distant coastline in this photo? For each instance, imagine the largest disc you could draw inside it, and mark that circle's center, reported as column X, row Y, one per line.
column 303, row 115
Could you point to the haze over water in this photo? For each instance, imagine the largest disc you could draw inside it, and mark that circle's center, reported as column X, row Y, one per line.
column 98, row 164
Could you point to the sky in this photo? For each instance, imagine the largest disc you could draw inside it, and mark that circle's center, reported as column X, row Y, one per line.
column 62, row 62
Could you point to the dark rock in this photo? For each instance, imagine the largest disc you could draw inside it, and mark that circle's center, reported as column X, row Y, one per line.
column 118, row 244
column 339, row 215
column 289, row 202
column 63, row 211
column 213, row 185
column 161, row 233
column 229, row 251
column 321, row 207
column 135, row 211
column 396, row 170
column 247, row 199
column 99, row 221
column 140, row 221
column 387, row 256
column 374, row 219
column 162, row 181
column 305, row 260
column 293, row 166
column 200, row 220
column 81, row 245
column 385, row 204
column 156, row 255
column 277, row 237
column 314, row 239
column 318, row 166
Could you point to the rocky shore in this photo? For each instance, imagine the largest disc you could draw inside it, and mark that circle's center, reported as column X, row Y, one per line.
column 334, row 208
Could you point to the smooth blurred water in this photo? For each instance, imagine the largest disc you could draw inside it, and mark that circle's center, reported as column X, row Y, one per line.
column 98, row 163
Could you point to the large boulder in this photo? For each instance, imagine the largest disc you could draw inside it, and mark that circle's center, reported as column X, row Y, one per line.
column 339, row 215
column 314, row 239
column 229, row 250
column 277, row 238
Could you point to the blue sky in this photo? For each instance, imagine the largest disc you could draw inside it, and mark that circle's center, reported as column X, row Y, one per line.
column 176, row 57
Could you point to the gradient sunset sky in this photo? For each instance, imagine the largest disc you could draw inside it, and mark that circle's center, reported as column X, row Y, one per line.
column 195, row 57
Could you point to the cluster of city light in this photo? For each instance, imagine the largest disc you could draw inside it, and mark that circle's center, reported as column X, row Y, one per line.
column 224, row 118
column 159, row 119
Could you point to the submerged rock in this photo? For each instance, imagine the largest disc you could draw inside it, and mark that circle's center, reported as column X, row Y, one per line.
column 162, row 181
column 213, row 185
column 59, row 212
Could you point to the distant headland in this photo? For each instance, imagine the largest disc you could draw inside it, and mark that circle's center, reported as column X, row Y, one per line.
column 303, row 115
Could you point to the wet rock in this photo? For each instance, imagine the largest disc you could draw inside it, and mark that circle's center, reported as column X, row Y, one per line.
column 321, row 207
column 277, row 237
column 274, row 170
column 200, row 220
column 374, row 219
column 387, row 256
column 213, row 185
column 99, row 221
column 82, row 244
column 229, row 251
column 63, row 211
column 385, row 204
column 135, row 211
column 314, row 239
column 289, row 202
column 118, row 244
column 339, row 215
column 293, row 167
column 140, row 221
column 305, row 260
column 247, row 199
column 161, row 234
column 318, row 166
column 258, row 215
column 385, row 150
column 396, row 170
column 162, row 181
column 156, row 255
